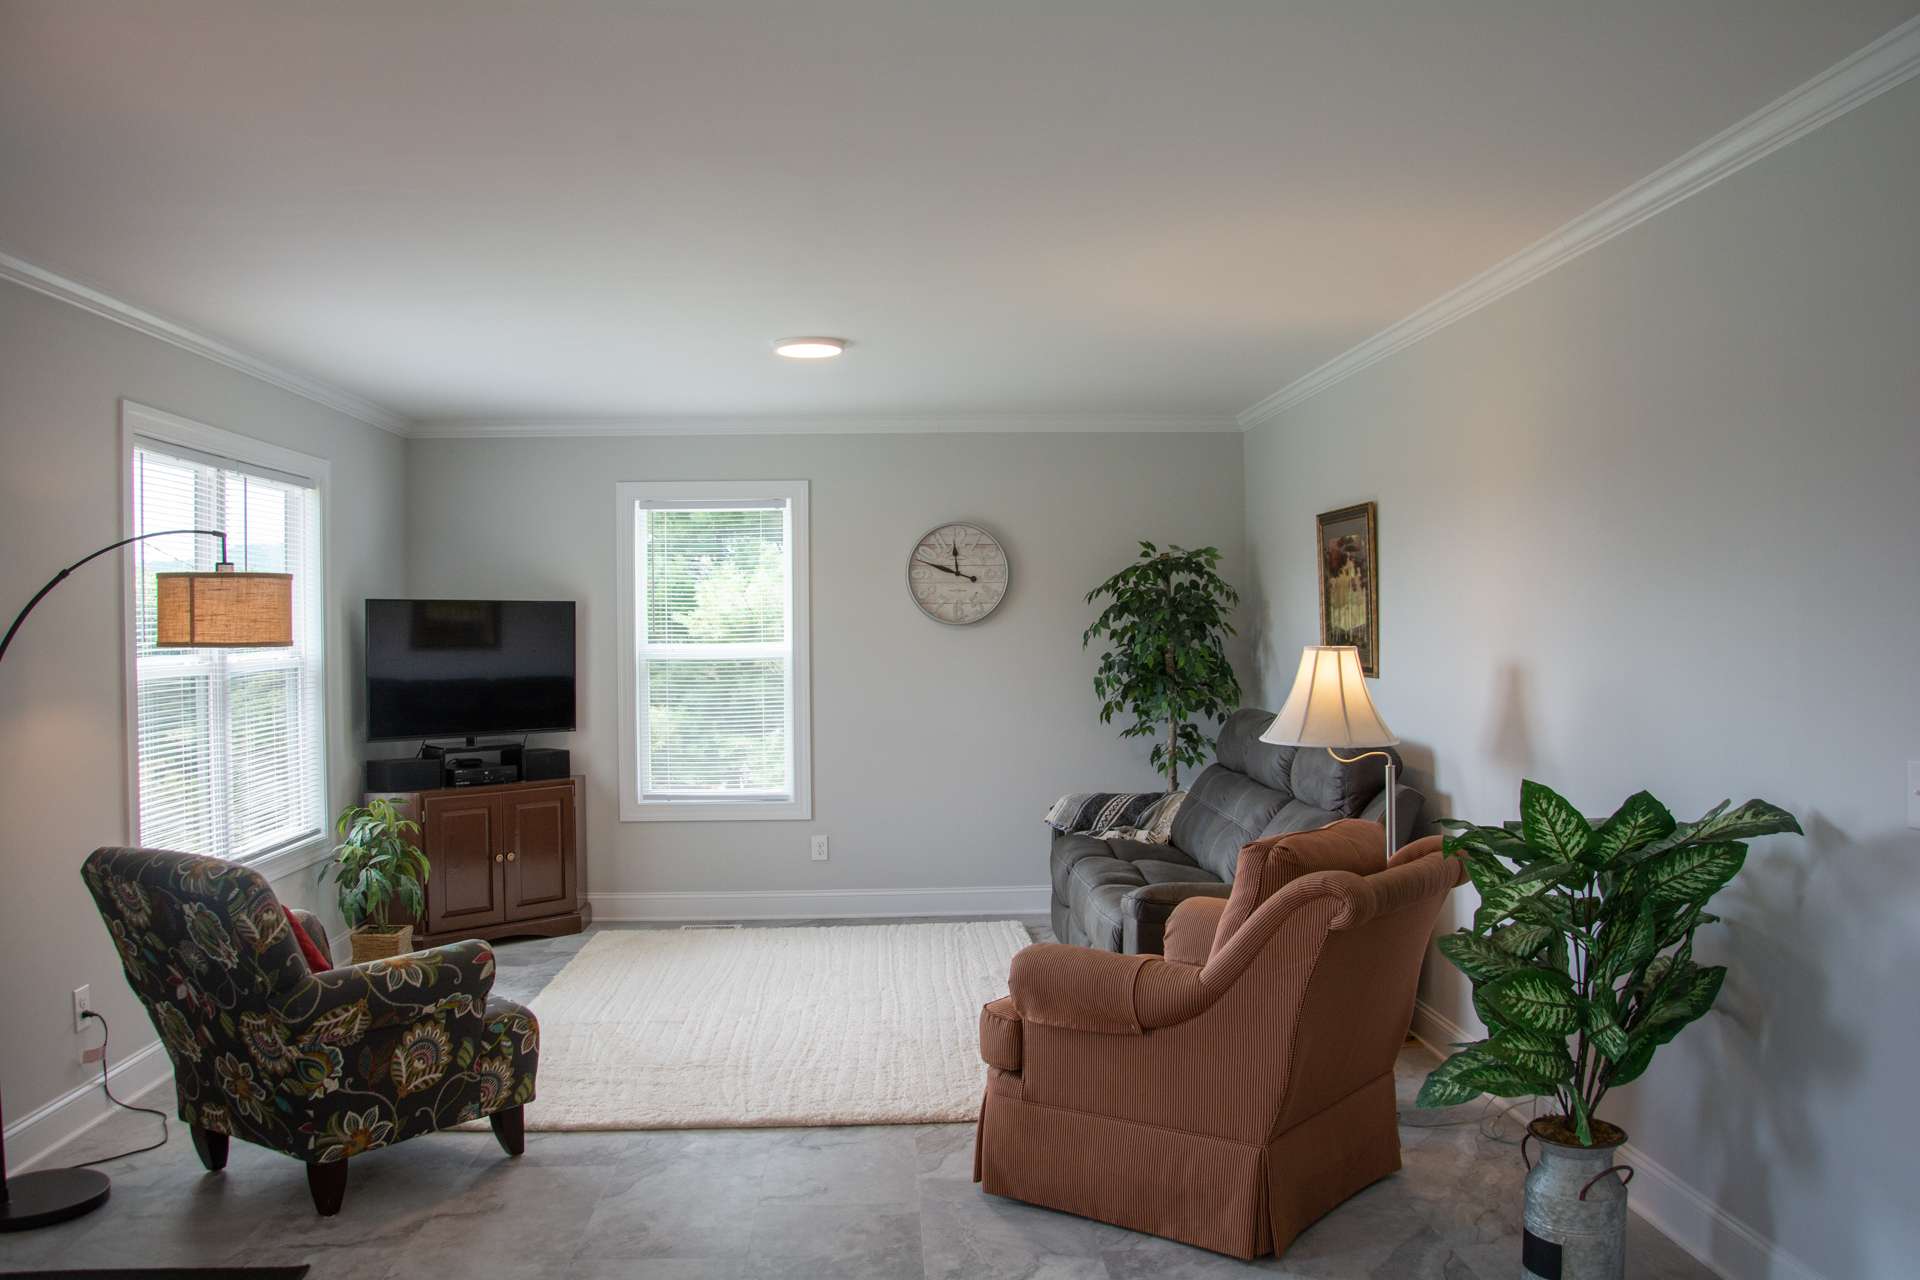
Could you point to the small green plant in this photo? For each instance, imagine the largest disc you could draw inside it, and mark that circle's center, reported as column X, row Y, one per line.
column 377, row 864
column 1167, row 662
column 1581, row 953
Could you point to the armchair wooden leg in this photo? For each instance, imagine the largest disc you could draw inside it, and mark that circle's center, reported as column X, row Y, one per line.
column 211, row 1147
column 511, row 1128
column 328, row 1183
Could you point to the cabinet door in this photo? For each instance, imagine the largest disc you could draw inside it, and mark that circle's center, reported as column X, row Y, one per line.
column 465, row 852
column 539, row 844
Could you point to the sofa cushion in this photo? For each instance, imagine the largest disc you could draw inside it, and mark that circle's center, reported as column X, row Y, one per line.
column 1000, row 1034
column 1154, row 871
column 1068, row 850
column 1340, row 788
column 1239, row 748
column 1223, row 810
column 1269, row 865
column 1094, row 893
column 1298, row 815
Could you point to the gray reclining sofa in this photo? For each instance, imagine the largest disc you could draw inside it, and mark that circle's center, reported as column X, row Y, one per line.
column 1117, row 894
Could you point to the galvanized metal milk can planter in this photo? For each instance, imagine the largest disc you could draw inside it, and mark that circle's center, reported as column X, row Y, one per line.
column 1576, row 1216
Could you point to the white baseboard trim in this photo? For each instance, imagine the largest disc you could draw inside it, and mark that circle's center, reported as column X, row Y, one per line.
column 1715, row 1237
column 822, row 904
column 43, row 1131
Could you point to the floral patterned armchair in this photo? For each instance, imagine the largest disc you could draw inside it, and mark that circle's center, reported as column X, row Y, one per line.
column 321, row 1066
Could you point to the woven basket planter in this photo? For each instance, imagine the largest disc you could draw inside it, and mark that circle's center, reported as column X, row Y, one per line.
column 380, row 944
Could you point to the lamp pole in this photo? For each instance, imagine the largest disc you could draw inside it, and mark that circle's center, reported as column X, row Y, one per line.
column 47, row 1196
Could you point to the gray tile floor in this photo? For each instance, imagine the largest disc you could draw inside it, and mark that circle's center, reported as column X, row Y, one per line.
column 890, row 1201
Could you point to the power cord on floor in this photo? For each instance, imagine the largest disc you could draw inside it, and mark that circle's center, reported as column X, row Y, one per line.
column 106, row 1086
column 1488, row 1121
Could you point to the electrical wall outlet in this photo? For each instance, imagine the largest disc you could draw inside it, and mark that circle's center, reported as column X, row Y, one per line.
column 82, row 1005
column 819, row 848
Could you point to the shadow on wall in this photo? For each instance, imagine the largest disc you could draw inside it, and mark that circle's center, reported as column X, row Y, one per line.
column 1509, row 738
column 1417, row 771
column 1773, row 1014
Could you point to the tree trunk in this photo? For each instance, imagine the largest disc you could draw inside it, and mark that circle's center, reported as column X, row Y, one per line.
column 1173, row 736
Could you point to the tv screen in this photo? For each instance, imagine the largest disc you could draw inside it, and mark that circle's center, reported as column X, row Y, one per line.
column 461, row 668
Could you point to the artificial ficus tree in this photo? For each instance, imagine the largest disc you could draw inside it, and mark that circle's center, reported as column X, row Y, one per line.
column 1166, row 661
column 377, row 864
column 1581, row 952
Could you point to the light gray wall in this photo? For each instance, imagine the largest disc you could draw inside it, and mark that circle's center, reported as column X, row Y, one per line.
column 936, row 749
column 1651, row 521
column 63, row 721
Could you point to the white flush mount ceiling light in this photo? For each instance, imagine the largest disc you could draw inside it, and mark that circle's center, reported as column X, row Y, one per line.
column 810, row 348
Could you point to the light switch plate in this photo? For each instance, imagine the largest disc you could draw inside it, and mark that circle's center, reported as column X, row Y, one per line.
column 1913, row 794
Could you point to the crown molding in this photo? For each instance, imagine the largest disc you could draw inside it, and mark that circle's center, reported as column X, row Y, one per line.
column 87, row 298
column 822, row 424
column 1864, row 75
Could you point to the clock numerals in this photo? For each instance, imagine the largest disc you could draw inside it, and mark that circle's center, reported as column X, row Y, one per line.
column 957, row 574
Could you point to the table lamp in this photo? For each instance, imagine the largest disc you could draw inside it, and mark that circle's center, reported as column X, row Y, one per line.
column 218, row 610
column 1329, row 707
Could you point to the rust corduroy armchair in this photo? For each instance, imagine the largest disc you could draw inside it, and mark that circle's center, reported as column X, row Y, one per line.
column 1234, row 1091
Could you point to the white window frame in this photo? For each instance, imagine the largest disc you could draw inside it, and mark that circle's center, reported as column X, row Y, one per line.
column 139, row 424
column 628, row 497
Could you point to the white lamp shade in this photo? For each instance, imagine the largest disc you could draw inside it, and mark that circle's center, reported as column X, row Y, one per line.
column 1329, row 705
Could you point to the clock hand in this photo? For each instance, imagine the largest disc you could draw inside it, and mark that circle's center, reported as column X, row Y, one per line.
column 942, row 568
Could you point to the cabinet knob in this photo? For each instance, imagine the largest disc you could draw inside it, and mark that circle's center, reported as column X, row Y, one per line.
column 499, row 857
column 511, row 855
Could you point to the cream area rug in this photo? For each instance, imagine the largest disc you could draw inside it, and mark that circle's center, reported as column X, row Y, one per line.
column 728, row 1028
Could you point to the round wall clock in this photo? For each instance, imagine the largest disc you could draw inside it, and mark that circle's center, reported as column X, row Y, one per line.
column 957, row 574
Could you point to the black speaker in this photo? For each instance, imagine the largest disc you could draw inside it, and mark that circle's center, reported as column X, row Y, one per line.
column 410, row 774
column 538, row 764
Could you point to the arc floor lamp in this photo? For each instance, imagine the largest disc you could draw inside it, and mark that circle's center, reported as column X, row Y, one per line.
column 219, row 610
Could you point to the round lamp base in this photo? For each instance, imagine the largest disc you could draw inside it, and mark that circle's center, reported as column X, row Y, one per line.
column 53, row 1195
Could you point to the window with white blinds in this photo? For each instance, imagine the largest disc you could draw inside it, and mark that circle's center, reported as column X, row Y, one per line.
column 712, row 592
column 230, row 743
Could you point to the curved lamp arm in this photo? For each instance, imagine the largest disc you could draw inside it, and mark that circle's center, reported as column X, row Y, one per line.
column 1392, row 833
column 62, row 576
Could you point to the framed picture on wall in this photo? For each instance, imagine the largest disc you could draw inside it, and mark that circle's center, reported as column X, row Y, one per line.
column 1350, row 581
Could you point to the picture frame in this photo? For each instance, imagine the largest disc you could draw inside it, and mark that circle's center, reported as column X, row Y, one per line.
column 1347, row 547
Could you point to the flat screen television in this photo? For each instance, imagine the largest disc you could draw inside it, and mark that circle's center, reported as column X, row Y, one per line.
column 463, row 668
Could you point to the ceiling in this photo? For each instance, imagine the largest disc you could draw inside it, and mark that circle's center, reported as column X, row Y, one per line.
column 579, row 211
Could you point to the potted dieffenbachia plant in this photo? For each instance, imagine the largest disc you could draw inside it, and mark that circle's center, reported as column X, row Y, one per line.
column 1166, row 665
column 1581, row 960
column 377, row 866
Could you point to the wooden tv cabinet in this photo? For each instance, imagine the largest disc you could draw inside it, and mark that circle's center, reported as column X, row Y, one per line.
column 504, row 860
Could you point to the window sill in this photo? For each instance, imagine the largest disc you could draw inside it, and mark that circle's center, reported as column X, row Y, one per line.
column 715, row 810
column 282, row 863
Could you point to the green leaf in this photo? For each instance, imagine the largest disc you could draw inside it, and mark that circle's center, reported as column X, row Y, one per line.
column 1491, row 842
column 1522, row 941
column 1582, row 1122
column 1476, row 957
column 1687, row 996
column 1690, row 873
column 1639, row 821
column 1603, row 1026
column 1549, row 823
column 1444, row 1086
column 1503, row 900
column 1754, row 818
column 1542, row 1061
column 1632, row 1065
column 1534, row 999
column 1626, row 943
column 1471, row 1071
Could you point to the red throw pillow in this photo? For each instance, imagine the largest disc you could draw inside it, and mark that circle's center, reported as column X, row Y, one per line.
column 316, row 962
